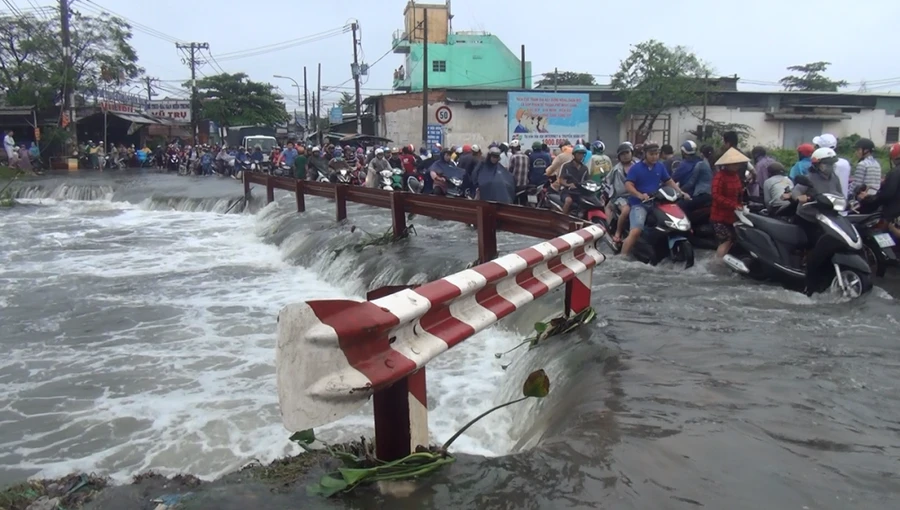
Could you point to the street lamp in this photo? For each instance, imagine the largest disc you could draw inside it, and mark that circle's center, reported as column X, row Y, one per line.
column 298, row 90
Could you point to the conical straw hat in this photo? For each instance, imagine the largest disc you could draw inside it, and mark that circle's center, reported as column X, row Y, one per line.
column 732, row 156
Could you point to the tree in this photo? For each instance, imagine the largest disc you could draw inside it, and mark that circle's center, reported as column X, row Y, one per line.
column 811, row 78
column 347, row 102
column 234, row 100
column 655, row 78
column 566, row 78
column 31, row 61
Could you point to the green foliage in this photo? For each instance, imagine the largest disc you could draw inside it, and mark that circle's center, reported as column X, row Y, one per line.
column 557, row 326
column 31, row 57
column 654, row 78
column 235, row 100
column 715, row 130
column 347, row 102
column 72, row 491
column 845, row 149
column 365, row 468
column 566, row 78
column 810, row 78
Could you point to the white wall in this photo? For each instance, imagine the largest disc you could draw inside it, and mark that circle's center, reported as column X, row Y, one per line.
column 468, row 125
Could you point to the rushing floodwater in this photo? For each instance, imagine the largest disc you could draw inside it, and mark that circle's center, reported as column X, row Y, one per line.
column 137, row 332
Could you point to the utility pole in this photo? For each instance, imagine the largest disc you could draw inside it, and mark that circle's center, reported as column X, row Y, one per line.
column 705, row 101
column 68, row 93
column 319, row 104
column 555, row 78
column 425, row 66
column 192, row 48
column 305, row 104
column 149, row 81
column 523, row 66
column 355, row 70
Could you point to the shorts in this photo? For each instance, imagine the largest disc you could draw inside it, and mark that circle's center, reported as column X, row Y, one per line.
column 724, row 232
column 620, row 202
column 638, row 216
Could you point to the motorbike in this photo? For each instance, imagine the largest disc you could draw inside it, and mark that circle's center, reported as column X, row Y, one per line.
column 585, row 203
column 665, row 231
column 342, row 176
column 773, row 249
column 878, row 244
column 282, row 170
column 455, row 188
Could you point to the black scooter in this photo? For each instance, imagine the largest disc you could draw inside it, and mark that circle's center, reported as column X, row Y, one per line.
column 878, row 244
column 771, row 248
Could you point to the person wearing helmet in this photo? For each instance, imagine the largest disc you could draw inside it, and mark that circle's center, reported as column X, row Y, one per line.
column 289, row 154
column 561, row 160
column 375, row 167
column 572, row 175
column 615, row 180
column 518, row 167
column 842, row 168
column 727, row 190
column 694, row 176
column 888, row 196
column 423, row 167
column 407, row 160
column 504, row 155
column 317, row 165
column 866, row 178
column 300, row 163
column 394, row 160
column 801, row 167
column 761, row 161
column 538, row 161
column 444, row 169
column 492, row 182
column 337, row 163
column 645, row 178
column 466, row 160
column 600, row 164
column 820, row 179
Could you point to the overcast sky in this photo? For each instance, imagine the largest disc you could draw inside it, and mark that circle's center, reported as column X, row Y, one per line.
column 755, row 40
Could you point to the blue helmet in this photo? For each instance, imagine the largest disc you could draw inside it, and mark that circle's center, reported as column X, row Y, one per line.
column 598, row 147
column 689, row 147
column 338, row 153
column 579, row 148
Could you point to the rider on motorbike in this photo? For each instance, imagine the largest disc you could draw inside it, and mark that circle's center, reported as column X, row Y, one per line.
column 443, row 170
column 619, row 194
column 600, row 163
column 820, row 179
column 694, row 176
column 888, row 196
column 644, row 179
column 378, row 163
column 573, row 174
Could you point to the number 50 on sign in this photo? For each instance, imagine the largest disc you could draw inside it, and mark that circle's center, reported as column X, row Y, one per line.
column 443, row 114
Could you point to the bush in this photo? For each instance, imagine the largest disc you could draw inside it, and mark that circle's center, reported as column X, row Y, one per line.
column 845, row 149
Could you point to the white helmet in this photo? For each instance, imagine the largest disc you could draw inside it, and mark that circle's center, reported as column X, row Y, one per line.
column 317, row 149
column 821, row 154
column 459, row 150
column 514, row 143
column 379, row 152
column 476, row 149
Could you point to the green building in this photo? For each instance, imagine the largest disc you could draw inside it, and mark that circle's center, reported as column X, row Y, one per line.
column 455, row 59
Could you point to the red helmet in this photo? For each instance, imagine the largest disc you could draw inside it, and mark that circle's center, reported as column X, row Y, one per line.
column 895, row 151
column 806, row 150
column 467, row 148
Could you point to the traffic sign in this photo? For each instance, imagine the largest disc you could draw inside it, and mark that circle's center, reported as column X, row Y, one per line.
column 443, row 114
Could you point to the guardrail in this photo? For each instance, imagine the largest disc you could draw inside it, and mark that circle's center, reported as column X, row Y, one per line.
column 333, row 355
column 488, row 217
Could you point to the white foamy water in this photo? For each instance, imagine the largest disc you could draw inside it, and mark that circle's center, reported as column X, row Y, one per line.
column 135, row 339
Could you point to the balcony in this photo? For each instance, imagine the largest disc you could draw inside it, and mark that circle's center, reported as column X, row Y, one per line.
column 400, row 42
column 402, row 81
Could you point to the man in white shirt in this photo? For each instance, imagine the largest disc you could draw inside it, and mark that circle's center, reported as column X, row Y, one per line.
column 842, row 166
column 9, row 144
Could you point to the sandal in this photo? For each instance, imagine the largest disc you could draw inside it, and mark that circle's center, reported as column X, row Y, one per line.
column 617, row 239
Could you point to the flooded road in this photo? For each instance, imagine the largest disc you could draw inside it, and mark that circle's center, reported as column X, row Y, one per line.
column 695, row 389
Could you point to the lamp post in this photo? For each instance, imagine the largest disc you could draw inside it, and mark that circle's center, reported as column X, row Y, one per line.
column 298, row 91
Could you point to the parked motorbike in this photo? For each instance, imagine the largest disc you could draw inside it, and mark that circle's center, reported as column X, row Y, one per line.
column 771, row 248
column 878, row 244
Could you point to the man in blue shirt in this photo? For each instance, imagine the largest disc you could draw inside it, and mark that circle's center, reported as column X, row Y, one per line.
column 493, row 183
column 289, row 155
column 643, row 180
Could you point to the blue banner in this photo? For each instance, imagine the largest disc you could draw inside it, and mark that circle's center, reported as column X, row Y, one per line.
column 548, row 117
column 336, row 115
column 435, row 134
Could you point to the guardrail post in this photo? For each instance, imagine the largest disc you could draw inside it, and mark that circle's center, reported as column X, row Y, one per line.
column 398, row 215
column 246, row 178
column 340, row 197
column 401, row 410
column 578, row 289
column 487, row 233
column 270, row 190
column 301, row 200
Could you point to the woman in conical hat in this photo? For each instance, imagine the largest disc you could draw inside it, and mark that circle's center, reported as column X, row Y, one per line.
column 727, row 193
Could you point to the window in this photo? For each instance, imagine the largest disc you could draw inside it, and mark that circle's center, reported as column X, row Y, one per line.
column 893, row 135
column 439, row 66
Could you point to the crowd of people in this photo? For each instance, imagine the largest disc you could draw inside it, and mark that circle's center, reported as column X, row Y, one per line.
column 20, row 156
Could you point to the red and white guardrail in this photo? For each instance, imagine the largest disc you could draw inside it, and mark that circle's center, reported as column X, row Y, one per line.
column 333, row 355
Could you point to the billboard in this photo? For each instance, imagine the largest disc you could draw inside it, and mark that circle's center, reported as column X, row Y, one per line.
column 175, row 109
column 547, row 117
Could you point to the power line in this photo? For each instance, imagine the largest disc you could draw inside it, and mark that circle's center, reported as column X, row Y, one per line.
column 134, row 24
column 270, row 48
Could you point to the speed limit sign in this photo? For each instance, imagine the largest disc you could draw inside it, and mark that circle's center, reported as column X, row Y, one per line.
column 443, row 114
